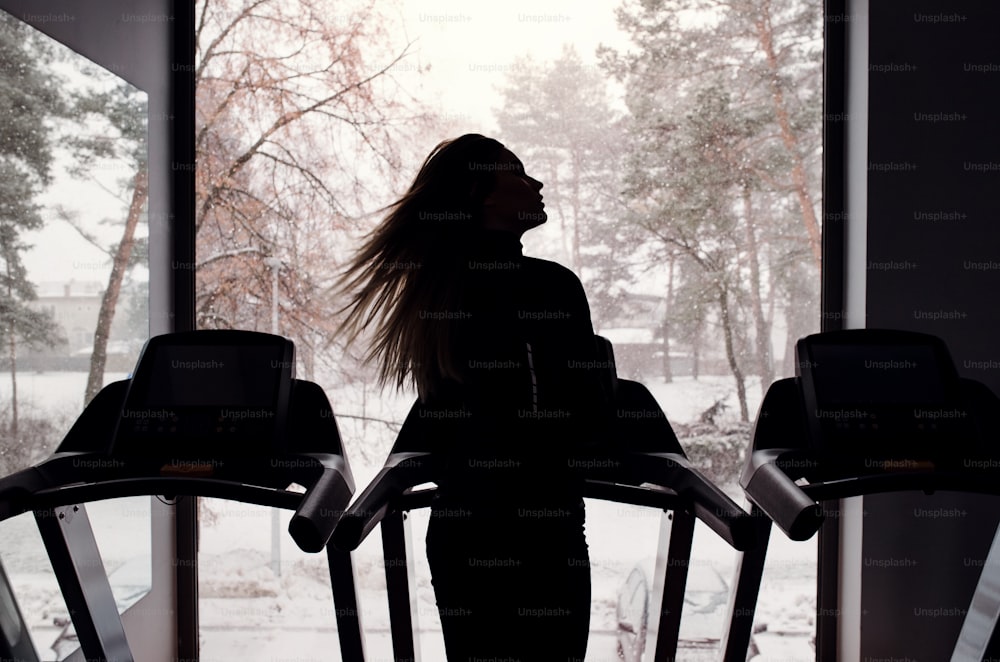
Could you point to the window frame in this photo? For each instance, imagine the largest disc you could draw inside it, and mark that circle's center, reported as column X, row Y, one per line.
column 110, row 35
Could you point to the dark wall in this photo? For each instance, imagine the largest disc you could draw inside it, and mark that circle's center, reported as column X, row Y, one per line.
column 150, row 43
column 933, row 266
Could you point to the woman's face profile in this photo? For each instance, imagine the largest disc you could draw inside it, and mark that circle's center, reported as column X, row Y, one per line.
column 515, row 203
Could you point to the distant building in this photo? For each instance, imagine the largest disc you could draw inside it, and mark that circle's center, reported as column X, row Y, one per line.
column 639, row 311
column 636, row 333
column 75, row 306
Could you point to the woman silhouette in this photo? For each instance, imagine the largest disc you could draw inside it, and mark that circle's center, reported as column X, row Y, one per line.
column 501, row 349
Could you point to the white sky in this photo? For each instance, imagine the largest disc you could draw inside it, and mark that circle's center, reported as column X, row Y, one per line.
column 469, row 48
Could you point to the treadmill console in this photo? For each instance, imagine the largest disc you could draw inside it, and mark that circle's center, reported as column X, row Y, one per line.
column 884, row 395
column 870, row 410
column 213, row 393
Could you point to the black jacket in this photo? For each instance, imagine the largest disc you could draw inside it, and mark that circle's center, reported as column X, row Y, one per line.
column 531, row 397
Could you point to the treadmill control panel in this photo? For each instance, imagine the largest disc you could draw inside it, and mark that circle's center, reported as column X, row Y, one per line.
column 889, row 396
column 218, row 393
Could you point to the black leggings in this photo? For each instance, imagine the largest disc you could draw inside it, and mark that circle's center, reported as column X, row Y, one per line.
column 512, row 583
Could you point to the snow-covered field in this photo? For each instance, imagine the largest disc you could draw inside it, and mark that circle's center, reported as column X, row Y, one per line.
column 248, row 613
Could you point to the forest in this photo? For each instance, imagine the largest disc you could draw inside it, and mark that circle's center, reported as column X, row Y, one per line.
column 682, row 178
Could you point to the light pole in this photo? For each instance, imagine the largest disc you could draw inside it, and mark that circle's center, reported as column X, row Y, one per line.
column 275, row 265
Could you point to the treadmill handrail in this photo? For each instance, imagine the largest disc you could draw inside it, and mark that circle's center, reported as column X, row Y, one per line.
column 57, row 482
column 668, row 471
column 795, row 508
column 781, row 499
column 790, row 466
column 401, row 472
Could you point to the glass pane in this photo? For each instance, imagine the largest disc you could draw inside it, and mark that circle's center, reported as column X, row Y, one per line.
column 73, row 154
column 246, row 609
column 121, row 528
column 679, row 145
column 34, row 587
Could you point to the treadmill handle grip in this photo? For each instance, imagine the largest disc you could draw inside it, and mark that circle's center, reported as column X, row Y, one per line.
column 367, row 511
column 795, row 513
column 714, row 507
column 17, row 491
column 321, row 509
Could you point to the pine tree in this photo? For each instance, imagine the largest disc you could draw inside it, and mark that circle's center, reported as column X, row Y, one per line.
column 558, row 118
column 723, row 148
column 30, row 99
column 299, row 130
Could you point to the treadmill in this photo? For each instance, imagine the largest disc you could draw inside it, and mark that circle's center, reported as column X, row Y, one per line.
column 213, row 413
column 869, row 411
column 644, row 466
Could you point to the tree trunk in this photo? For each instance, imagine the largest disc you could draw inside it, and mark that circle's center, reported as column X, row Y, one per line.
column 800, row 322
column 564, row 241
column 364, row 408
column 99, row 357
column 771, row 289
column 575, row 204
column 696, row 350
column 668, row 374
column 12, row 346
column 309, row 361
column 727, row 332
column 790, row 339
column 765, row 33
column 763, row 339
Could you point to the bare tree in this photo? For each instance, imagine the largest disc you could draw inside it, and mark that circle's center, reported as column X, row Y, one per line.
column 298, row 125
column 111, row 125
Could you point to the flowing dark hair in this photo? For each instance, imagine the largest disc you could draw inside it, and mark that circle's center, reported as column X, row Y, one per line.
column 406, row 279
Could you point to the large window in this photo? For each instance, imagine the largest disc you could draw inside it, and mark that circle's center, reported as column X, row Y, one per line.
column 680, row 147
column 75, row 283
column 90, row 191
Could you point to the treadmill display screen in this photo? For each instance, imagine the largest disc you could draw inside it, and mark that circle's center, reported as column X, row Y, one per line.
column 205, row 376
column 877, row 374
column 873, row 396
column 208, row 393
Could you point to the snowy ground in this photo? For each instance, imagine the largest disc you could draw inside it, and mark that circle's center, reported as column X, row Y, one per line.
column 248, row 613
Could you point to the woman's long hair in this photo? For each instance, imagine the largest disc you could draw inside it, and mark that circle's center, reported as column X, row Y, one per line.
column 407, row 278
